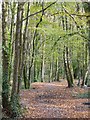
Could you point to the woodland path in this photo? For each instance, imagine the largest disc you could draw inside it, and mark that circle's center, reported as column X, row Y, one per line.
column 54, row 100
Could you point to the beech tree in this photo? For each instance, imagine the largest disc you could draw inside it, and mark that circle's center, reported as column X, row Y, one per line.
column 86, row 6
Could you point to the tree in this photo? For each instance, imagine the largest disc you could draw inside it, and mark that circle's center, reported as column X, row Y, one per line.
column 86, row 6
column 15, row 87
column 5, row 59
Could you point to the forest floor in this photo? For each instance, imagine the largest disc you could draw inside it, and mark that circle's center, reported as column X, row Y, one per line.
column 54, row 100
column 0, row 105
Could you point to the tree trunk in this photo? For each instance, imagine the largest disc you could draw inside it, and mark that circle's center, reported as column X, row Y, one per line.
column 42, row 61
column 68, row 68
column 24, row 55
column 65, row 67
column 20, row 54
column 14, row 96
column 5, row 60
column 10, row 41
column 86, row 6
column 25, row 76
column 42, row 69
column 50, row 73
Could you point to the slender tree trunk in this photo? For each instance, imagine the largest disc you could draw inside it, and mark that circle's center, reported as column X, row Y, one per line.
column 56, row 69
column 78, row 72
column 86, row 6
column 35, row 71
column 24, row 65
column 50, row 73
column 42, row 61
column 25, row 76
column 5, row 60
column 65, row 67
column 10, row 41
column 16, row 54
column 33, row 51
column 59, row 65
column 42, row 69
column 20, row 55
column 86, row 54
column 83, row 70
column 66, row 55
column 69, row 69
column 14, row 96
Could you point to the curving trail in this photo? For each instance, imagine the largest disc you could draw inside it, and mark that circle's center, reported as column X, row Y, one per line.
column 54, row 100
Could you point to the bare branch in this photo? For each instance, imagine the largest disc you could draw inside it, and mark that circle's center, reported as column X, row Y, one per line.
column 72, row 18
column 81, row 15
column 70, row 34
column 39, row 11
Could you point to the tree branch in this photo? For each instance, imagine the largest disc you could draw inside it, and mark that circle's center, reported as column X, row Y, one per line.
column 72, row 18
column 39, row 11
column 81, row 15
column 70, row 34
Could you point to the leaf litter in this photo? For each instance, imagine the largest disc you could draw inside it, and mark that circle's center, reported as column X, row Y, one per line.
column 54, row 100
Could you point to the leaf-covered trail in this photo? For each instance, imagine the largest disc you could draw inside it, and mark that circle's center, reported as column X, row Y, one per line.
column 54, row 100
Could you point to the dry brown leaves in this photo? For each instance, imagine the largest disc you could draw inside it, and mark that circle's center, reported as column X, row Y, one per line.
column 54, row 100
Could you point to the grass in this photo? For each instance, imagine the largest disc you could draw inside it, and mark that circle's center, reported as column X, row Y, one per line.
column 84, row 95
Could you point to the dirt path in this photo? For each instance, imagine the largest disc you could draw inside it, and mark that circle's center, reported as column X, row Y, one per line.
column 54, row 100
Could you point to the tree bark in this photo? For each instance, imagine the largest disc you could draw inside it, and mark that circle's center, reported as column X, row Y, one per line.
column 16, row 54
column 20, row 54
column 5, row 60
column 86, row 6
column 24, row 67
column 65, row 67
column 14, row 94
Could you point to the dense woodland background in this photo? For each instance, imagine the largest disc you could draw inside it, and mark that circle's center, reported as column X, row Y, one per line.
column 43, row 42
